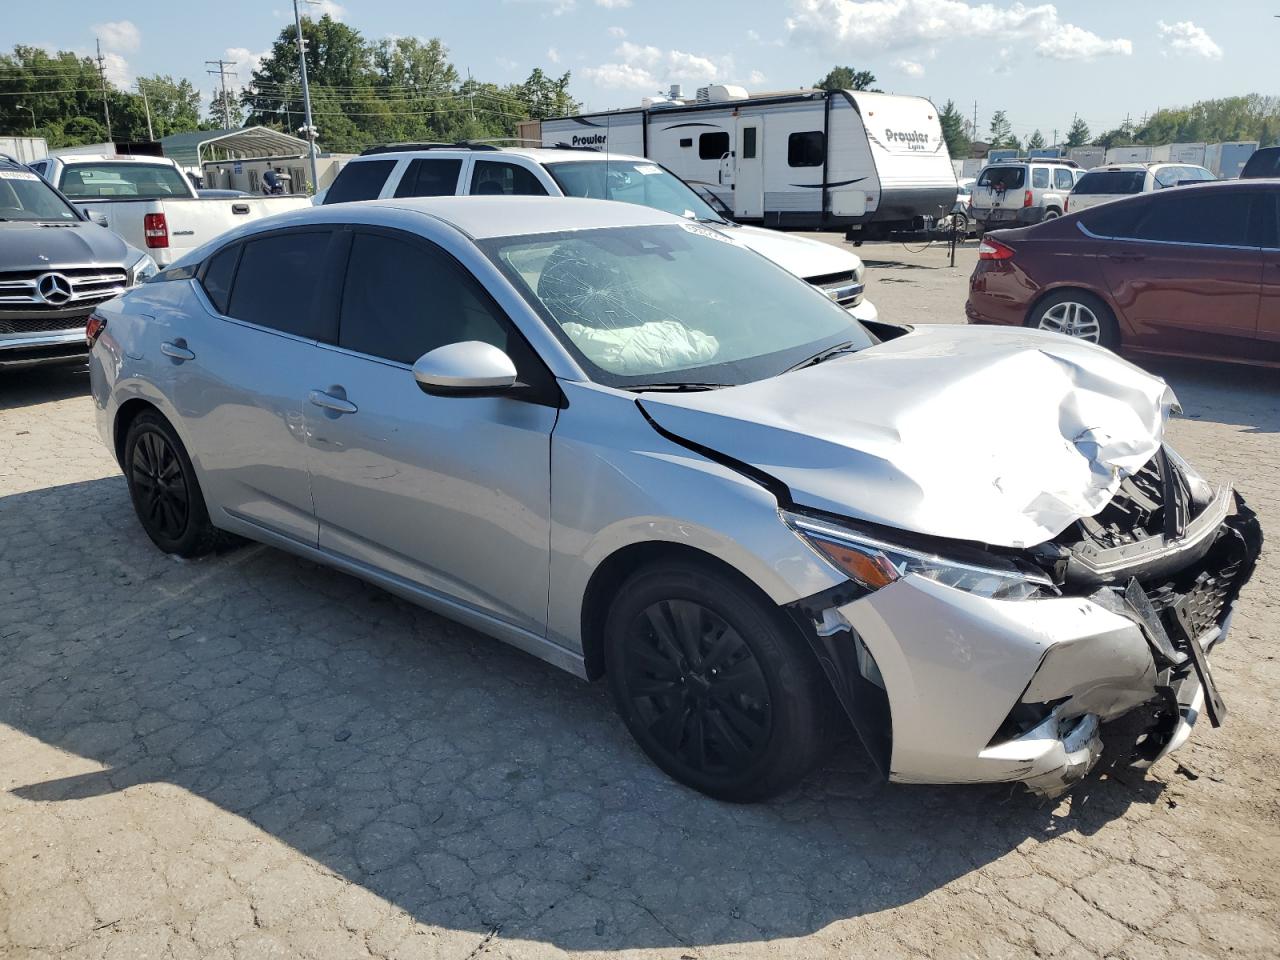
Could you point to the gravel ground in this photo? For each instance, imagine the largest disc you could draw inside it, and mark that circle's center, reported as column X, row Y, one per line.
column 248, row 756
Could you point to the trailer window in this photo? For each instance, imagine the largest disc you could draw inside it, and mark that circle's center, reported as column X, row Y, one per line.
column 713, row 146
column 686, row 141
column 749, row 143
column 807, row 149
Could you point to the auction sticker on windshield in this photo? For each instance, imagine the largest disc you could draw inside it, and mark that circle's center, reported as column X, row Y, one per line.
column 17, row 175
column 701, row 231
column 648, row 169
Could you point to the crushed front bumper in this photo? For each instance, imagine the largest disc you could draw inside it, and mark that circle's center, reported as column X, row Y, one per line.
column 979, row 691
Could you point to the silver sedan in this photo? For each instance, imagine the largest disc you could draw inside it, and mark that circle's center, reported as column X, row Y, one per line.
column 634, row 448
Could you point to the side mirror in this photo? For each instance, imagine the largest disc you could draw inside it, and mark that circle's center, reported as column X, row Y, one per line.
column 93, row 215
column 466, row 369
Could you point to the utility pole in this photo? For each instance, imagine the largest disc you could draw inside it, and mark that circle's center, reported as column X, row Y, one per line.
column 471, row 94
column 975, row 120
column 146, row 105
column 221, row 74
column 106, row 110
column 306, row 95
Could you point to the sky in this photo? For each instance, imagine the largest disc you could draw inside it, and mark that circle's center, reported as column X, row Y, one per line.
column 1042, row 63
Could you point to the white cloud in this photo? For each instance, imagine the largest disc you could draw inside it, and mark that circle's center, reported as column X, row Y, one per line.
column 617, row 32
column 756, row 78
column 836, row 26
column 560, row 7
column 506, row 63
column 117, row 69
column 910, row 67
column 553, row 54
column 1185, row 37
column 335, row 10
column 245, row 61
column 613, row 4
column 121, row 36
column 644, row 67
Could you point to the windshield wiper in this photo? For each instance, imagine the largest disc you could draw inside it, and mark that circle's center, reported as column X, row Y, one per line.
column 674, row 387
column 827, row 354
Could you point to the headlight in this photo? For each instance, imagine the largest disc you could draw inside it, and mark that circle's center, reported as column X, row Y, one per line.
column 873, row 564
column 144, row 269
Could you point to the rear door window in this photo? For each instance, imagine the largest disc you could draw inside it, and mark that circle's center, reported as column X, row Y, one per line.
column 359, row 180
column 1111, row 182
column 217, row 275
column 1118, row 219
column 500, row 179
column 430, row 177
column 1003, row 178
column 1263, row 163
column 1202, row 216
column 277, row 280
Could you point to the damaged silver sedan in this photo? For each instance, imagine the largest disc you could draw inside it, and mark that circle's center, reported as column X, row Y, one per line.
column 630, row 446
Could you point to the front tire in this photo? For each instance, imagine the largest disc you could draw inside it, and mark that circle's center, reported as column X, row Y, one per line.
column 715, row 683
column 164, row 489
column 1078, row 314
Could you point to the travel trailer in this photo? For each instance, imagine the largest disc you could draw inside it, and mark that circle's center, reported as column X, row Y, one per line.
column 864, row 162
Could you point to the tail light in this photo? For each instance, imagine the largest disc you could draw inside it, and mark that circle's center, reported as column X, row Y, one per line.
column 1026, row 198
column 156, row 229
column 93, row 328
column 992, row 249
column 1066, row 205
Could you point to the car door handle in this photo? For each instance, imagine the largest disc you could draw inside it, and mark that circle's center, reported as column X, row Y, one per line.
column 240, row 209
column 329, row 402
column 177, row 349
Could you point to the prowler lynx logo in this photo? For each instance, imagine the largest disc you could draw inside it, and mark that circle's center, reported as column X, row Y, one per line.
column 591, row 140
column 914, row 139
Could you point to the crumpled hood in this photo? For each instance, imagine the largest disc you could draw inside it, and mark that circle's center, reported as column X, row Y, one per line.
column 1003, row 437
column 801, row 256
column 34, row 246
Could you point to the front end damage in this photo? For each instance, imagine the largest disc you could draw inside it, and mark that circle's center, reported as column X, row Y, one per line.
column 943, row 685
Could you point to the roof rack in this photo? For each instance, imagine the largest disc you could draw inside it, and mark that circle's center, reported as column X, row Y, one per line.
column 561, row 145
column 401, row 147
column 1062, row 160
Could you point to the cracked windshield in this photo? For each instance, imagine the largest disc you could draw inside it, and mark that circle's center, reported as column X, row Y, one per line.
column 633, row 302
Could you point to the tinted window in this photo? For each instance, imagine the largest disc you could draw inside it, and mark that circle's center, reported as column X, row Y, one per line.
column 1040, row 178
column 806, row 149
column 1263, row 163
column 217, row 276
column 1114, row 219
column 435, row 302
column 1062, row 178
column 430, row 178
column 1111, row 182
column 686, row 141
column 277, row 280
column 713, row 146
column 359, row 180
column 491, row 177
column 1202, row 215
column 749, row 143
column 1003, row 178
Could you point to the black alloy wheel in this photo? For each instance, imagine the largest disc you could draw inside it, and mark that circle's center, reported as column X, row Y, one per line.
column 164, row 489
column 716, row 683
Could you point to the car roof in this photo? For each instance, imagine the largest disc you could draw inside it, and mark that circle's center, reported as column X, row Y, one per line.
column 111, row 158
column 537, row 154
column 485, row 217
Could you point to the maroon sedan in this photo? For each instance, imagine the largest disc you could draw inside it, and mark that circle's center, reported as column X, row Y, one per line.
column 1192, row 272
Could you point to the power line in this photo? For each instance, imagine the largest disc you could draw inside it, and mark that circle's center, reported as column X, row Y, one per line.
column 222, row 72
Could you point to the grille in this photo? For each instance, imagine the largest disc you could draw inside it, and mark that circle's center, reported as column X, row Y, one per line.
column 39, row 324
column 89, row 286
column 1203, row 595
column 844, row 288
column 1135, row 513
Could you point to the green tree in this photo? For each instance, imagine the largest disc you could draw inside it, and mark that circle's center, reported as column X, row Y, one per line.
column 174, row 104
column 953, row 131
column 227, row 118
column 1001, row 132
column 1035, row 141
column 1119, row 137
column 847, row 78
column 1079, row 134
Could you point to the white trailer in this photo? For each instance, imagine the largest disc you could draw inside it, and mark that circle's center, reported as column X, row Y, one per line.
column 1187, row 153
column 868, row 162
column 1086, row 158
column 1226, row 160
column 24, row 149
column 1136, row 153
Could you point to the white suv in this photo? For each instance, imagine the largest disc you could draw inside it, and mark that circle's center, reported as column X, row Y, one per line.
column 1104, row 184
column 434, row 170
column 1015, row 193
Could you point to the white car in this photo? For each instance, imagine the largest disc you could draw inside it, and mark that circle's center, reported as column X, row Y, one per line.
column 1020, row 192
column 432, row 170
column 1104, row 184
column 150, row 202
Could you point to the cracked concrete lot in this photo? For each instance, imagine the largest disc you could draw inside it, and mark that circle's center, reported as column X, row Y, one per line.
column 248, row 756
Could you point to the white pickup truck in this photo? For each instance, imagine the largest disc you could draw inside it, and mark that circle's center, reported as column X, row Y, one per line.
column 151, row 204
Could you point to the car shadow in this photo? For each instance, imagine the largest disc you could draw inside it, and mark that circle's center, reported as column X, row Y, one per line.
column 1229, row 393
column 34, row 385
column 468, row 783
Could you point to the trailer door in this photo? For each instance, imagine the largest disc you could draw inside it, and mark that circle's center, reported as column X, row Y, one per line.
column 748, row 181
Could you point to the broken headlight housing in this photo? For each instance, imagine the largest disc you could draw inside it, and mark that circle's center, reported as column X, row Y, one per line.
column 873, row 563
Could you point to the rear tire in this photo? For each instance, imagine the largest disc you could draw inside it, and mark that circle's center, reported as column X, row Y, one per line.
column 164, row 489
column 1053, row 213
column 715, row 683
column 1077, row 314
